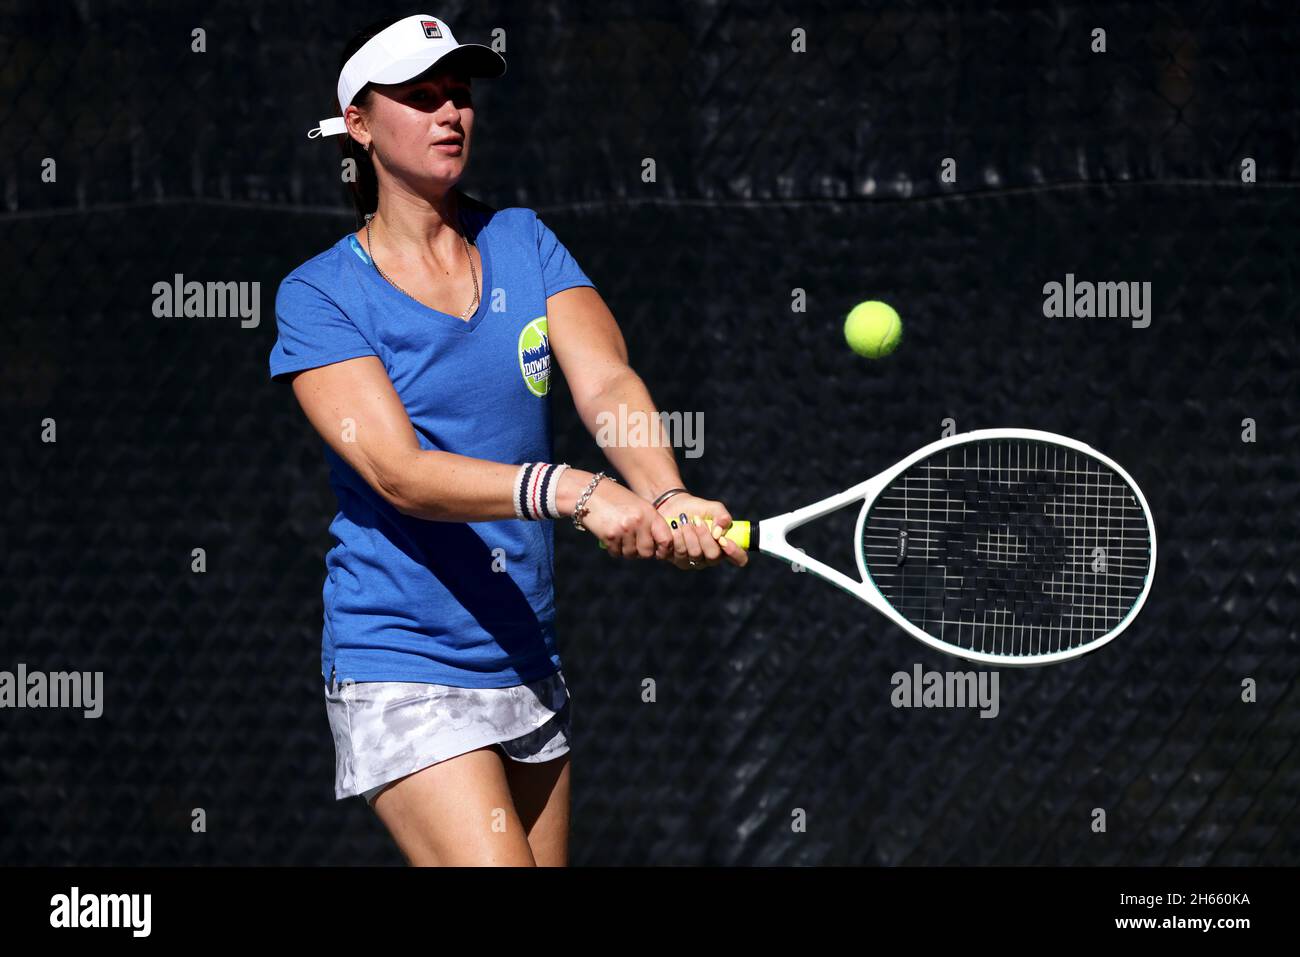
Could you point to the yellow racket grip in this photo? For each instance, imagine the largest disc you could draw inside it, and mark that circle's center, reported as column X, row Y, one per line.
column 737, row 531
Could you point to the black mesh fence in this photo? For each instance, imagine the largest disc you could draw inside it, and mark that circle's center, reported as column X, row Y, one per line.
column 132, row 158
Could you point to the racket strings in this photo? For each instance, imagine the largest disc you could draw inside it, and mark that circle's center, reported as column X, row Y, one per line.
column 1011, row 547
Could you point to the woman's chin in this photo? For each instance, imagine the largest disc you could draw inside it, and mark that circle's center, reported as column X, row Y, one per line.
column 445, row 169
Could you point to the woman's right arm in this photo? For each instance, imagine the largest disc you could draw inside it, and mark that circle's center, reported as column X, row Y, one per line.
column 356, row 410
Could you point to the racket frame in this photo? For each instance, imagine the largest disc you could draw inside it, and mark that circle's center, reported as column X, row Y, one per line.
column 772, row 541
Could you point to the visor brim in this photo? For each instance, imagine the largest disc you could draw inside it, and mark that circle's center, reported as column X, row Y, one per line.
column 474, row 59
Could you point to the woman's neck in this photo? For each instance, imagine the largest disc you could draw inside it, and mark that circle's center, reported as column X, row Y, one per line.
column 414, row 225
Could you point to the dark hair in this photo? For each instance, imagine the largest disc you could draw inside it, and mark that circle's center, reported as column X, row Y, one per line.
column 365, row 190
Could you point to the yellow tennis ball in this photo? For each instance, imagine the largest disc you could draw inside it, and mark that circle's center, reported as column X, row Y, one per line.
column 873, row 329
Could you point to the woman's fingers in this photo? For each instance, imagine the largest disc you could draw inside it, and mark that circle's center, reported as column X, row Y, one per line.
column 662, row 536
column 720, row 514
column 700, row 547
column 694, row 551
column 735, row 554
column 695, row 540
column 679, row 544
column 708, row 544
column 645, row 541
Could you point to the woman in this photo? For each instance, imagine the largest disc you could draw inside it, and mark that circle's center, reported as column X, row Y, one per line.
column 419, row 347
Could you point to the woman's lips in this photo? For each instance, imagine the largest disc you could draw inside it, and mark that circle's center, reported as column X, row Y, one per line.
column 448, row 147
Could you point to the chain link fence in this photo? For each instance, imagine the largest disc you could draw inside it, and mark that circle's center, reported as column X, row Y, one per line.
column 135, row 157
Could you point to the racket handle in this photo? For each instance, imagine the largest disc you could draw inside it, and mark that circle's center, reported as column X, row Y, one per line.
column 737, row 531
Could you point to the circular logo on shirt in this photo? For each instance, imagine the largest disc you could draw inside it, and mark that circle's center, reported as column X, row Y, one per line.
column 535, row 356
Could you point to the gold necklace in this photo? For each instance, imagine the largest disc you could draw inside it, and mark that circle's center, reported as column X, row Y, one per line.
column 370, row 247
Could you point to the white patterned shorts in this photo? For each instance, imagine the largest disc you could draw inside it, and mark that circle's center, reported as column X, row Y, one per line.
column 385, row 730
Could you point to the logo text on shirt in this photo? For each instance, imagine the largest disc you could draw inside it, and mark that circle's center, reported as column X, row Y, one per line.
column 535, row 356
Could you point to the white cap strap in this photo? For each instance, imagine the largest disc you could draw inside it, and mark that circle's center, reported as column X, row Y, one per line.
column 328, row 128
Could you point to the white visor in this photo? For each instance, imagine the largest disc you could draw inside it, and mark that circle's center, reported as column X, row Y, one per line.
column 402, row 52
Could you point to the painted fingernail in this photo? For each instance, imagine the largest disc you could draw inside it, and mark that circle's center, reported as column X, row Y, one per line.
column 674, row 523
column 682, row 518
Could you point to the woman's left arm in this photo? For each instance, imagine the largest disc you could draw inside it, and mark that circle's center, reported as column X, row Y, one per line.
column 589, row 348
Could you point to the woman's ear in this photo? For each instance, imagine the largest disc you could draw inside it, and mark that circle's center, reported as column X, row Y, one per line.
column 356, row 124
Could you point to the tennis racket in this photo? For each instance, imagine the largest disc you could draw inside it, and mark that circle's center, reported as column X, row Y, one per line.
column 1002, row 546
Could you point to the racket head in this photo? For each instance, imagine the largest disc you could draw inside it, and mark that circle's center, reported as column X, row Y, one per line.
column 1003, row 527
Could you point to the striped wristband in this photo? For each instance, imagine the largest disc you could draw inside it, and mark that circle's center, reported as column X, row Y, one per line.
column 536, row 487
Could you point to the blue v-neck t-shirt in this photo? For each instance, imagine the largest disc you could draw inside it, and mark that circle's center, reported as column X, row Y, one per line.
column 469, row 604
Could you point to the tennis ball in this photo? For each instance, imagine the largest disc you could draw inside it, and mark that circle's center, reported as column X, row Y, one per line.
column 873, row 329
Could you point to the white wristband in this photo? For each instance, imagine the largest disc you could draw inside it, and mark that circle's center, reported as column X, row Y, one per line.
column 553, row 491
column 535, row 490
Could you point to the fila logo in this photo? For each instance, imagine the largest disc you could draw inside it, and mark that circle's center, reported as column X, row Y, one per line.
column 431, row 30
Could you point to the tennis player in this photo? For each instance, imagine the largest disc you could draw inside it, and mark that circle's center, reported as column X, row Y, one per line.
column 419, row 347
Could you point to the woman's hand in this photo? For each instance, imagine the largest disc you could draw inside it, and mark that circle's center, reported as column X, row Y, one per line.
column 627, row 525
column 695, row 545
